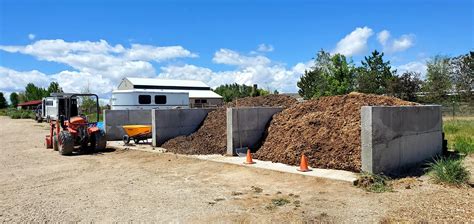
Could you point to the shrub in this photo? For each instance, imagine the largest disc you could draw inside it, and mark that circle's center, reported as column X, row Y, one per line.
column 464, row 144
column 20, row 114
column 449, row 171
column 376, row 183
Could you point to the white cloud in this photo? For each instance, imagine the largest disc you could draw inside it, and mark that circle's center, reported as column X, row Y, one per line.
column 414, row 66
column 355, row 42
column 265, row 48
column 230, row 57
column 31, row 36
column 402, row 43
column 383, row 37
column 149, row 53
column 249, row 70
column 100, row 60
column 100, row 66
column 14, row 81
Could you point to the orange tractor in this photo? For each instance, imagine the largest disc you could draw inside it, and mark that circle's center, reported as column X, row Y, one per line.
column 71, row 130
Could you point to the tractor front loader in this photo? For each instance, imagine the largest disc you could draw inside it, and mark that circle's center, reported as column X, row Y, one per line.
column 72, row 130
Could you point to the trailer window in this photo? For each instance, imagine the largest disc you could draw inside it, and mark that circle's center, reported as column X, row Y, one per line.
column 49, row 103
column 160, row 99
column 144, row 99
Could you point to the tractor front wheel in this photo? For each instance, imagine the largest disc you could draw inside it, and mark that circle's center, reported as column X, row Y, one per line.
column 55, row 143
column 67, row 143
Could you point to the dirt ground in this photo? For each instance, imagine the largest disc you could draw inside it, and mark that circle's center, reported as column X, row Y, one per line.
column 39, row 185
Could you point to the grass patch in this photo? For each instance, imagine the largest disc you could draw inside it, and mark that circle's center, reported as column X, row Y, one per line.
column 464, row 144
column 463, row 130
column 376, row 183
column 448, row 171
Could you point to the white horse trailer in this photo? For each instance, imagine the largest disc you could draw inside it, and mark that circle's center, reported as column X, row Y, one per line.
column 54, row 105
column 136, row 99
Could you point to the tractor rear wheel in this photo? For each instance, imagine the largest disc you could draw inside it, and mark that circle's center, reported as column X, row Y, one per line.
column 55, row 143
column 67, row 143
column 100, row 141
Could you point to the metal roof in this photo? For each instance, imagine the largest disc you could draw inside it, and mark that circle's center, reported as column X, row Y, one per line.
column 192, row 93
column 29, row 103
column 166, row 82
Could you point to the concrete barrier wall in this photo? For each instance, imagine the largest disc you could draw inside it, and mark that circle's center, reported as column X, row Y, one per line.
column 246, row 126
column 394, row 138
column 115, row 119
column 168, row 124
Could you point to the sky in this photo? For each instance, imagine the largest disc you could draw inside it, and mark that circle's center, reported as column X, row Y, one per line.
column 95, row 44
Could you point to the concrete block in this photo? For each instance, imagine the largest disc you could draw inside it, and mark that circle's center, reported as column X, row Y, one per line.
column 171, row 123
column 393, row 138
column 115, row 119
column 246, row 126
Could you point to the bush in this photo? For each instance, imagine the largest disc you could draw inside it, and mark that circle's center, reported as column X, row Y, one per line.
column 449, row 171
column 464, row 144
column 376, row 183
column 20, row 114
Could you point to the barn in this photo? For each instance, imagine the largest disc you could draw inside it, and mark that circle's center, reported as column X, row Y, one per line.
column 200, row 94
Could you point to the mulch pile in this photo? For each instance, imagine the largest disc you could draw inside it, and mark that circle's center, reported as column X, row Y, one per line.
column 326, row 130
column 211, row 137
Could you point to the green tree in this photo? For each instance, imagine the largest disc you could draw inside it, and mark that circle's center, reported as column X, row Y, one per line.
column 33, row 92
column 312, row 84
column 14, row 99
column 54, row 88
column 438, row 80
column 406, row 86
column 462, row 73
column 330, row 75
column 21, row 97
column 375, row 75
column 233, row 91
column 3, row 101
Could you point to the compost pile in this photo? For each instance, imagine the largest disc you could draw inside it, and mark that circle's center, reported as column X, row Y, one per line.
column 211, row 137
column 326, row 130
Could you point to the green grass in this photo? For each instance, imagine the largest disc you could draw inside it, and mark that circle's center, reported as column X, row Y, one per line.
column 460, row 134
column 464, row 144
column 376, row 183
column 448, row 171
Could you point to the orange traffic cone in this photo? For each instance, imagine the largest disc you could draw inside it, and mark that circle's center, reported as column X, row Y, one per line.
column 249, row 158
column 304, row 164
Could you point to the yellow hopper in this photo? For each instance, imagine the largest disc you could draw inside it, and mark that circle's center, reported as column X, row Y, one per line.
column 136, row 133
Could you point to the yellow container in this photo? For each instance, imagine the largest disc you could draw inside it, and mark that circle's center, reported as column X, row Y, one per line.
column 135, row 130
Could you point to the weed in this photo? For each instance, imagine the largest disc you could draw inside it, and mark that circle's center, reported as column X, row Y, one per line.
column 376, row 183
column 449, row 171
column 236, row 193
column 464, row 144
column 280, row 201
column 257, row 189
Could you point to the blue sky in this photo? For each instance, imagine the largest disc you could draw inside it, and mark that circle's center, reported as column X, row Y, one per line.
column 264, row 42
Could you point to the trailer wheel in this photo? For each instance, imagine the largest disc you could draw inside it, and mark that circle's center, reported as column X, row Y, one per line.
column 136, row 140
column 67, row 143
column 100, row 141
column 126, row 139
column 55, row 143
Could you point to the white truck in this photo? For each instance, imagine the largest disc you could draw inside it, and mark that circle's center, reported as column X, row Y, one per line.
column 137, row 99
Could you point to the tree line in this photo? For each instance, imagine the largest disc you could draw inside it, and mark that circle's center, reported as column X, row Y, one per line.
column 335, row 75
column 230, row 92
column 32, row 92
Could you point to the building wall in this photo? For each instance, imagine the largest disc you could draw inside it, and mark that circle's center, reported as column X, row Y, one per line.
column 211, row 102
